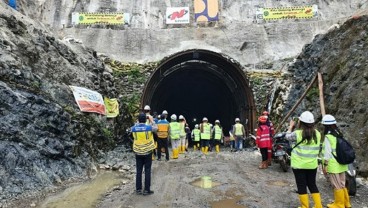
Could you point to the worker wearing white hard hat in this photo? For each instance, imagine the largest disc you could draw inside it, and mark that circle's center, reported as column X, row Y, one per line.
column 239, row 133
column 164, row 113
column 218, row 135
column 196, row 137
column 205, row 129
column 304, row 157
column 332, row 167
column 183, row 135
column 174, row 135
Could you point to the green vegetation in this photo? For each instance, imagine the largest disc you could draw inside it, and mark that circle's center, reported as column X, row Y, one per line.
column 312, row 93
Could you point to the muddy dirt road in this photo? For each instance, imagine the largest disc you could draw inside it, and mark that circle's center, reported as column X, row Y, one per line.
column 235, row 181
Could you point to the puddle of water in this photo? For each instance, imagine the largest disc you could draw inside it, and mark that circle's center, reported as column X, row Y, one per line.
column 205, row 182
column 85, row 195
column 228, row 203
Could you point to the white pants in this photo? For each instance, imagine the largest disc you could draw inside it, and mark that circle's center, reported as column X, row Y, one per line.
column 175, row 143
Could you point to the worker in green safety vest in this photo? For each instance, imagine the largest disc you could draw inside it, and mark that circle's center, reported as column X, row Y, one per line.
column 335, row 170
column 196, row 135
column 174, row 134
column 217, row 135
column 205, row 129
column 304, row 157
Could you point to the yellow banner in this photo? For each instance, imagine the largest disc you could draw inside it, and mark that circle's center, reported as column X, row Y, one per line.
column 288, row 13
column 112, row 107
column 101, row 18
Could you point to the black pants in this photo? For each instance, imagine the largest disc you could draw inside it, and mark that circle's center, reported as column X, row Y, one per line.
column 205, row 142
column 162, row 143
column 264, row 153
column 146, row 162
column 306, row 178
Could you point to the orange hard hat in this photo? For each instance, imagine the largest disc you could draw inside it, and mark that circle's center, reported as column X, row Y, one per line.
column 262, row 119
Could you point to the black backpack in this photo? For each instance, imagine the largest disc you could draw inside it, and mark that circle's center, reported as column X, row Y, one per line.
column 345, row 153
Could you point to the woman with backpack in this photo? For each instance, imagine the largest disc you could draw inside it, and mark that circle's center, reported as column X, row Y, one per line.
column 334, row 169
column 304, row 156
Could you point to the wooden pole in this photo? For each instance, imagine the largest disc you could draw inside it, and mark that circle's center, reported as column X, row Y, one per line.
column 321, row 97
column 296, row 104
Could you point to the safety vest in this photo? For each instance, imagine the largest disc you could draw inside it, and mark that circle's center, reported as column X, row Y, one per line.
column 263, row 138
column 174, row 130
column 333, row 165
column 162, row 129
column 218, row 132
column 238, row 129
column 206, row 134
column 304, row 156
column 182, row 129
column 197, row 135
column 143, row 139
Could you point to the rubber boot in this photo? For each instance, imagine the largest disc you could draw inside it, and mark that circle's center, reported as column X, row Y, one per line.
column 261, row 166
column 205, row 150
column 346, row 198
column 202, row 149
column 153, row 157
column 194, row 148
column 174, row 154
column 339, row 199
column 217, row 148
column 317, row 200
column 304, row 200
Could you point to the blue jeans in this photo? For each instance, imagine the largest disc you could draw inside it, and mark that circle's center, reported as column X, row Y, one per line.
column 146, row 162
column 239, row 142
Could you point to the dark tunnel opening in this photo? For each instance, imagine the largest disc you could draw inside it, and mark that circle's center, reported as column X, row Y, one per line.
column 199, row 83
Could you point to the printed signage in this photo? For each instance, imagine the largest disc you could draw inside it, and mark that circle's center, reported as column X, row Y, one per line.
column 88, row 100
column 289, row 12
column 177, row 15
column 206, row 10
column 100, row 18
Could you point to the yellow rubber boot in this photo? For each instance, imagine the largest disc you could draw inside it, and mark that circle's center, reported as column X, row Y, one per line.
column 317, row 200
column 194, row 147
column 346, row 198
column 304, row 200
column 205, row 150
column 339, row 199
column 202, row 149
column 217, row 148
column 175, row 154
column 179, row 149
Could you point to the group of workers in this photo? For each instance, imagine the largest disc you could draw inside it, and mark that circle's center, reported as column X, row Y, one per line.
column 304, row 157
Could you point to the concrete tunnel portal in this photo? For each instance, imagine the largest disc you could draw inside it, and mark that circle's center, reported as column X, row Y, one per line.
column 201, row 83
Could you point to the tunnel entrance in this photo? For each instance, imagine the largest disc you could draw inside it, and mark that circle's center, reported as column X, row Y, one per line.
column 200, row 83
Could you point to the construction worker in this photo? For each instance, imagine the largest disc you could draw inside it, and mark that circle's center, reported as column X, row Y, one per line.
column 239, row 134
column 143, row 145
column 335, row 170
column 150, row 121
column 162, row 134
column 183, row 135
column 187, row 136
column 217, row 135
column 164, row 112
column 304, row 156
column 196, row 135
column 272, row 132
column 263, row 140
column 174, row 133
column 205, row 129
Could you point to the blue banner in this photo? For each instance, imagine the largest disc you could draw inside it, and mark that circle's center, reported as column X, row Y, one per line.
column 13, row 4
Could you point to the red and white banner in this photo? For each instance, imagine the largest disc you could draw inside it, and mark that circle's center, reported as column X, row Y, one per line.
column 88, row 100
column 177, row 15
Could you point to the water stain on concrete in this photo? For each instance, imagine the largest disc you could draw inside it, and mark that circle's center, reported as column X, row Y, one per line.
column 205, row 182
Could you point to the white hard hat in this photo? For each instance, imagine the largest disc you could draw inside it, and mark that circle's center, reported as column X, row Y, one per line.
column 196, row 126
column 211, row 125
column 147, row 107
column 181, row 117
column 307, row 117
column 237, row 119
column 173, row 117
column 164, row 112
column 217, row 121
column 159, row 116
column 204, row 119
column 328, row 120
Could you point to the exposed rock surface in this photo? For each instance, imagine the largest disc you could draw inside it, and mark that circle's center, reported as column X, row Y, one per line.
column 44, row 139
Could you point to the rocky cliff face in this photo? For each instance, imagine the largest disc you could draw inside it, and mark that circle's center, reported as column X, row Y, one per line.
column 44, row 139
column 340, row 56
